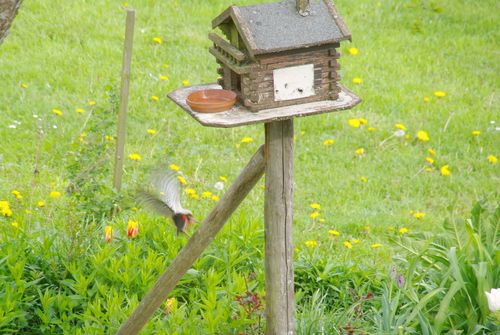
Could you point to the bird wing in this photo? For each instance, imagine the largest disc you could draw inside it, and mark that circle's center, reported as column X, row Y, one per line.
column 167, row 184
column 150, row 199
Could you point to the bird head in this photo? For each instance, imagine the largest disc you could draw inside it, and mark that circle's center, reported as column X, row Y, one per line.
column 184, row 220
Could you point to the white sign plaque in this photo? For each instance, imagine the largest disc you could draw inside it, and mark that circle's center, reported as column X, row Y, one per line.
column 293, row 82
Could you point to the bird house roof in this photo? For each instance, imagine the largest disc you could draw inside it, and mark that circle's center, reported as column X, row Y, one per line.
column 276, row 27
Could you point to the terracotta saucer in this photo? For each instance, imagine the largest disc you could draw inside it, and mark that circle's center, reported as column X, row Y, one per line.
column 211, row 101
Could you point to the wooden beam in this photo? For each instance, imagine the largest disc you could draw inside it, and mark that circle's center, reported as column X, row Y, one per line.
column 278, row 217
column 122, row 114
column 196, row 244
column 236, row 68
column 227, row 47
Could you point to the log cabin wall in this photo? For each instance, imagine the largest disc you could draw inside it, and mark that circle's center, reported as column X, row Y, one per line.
column 257, row 87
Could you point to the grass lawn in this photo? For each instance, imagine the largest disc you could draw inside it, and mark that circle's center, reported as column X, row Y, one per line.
column 429, row 68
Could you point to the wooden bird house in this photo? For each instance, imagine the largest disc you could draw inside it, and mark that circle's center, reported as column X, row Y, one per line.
column 279, row 54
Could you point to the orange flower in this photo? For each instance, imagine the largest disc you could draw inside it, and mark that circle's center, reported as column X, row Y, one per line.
column 132, row 228
column 108, row 234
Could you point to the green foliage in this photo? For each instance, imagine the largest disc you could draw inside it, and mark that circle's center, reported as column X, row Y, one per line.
column 447, row 278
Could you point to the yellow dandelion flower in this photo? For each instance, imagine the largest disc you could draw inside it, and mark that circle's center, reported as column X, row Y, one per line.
column 328, row 142
column 400, row 126
column 151, row 131
column 321, row 220
column 302, row 133
column 376, row 246
column 57, row 111
column 363, row 179
column 206, row 194
column 429, row 160
column 419, row 215
column 246, row 139
column 55, row 194
column 315, row 205
column 440, row 94
column 182, row 180
column 476, row 133
column 355, row 123
column 190, row 191
column 170, row 306
column 370, row 129
column 163, row 78
column 80, row 110
column 23, row 85
column 445, row 170
column 215, row 198
column 431, row 152
column 311, row 244
column 356, row 80
column 41, row 203
column 174, row 167
column 109, row 138
column 92, row 103
column 360, row 151
column 194, row 196
column 363, row 121
column 185, row 82
column 5, row 208
column 157, row 40
column 492, row 159
column 222, row 178
column 15, row 224
column 135, row 157
column 333, row 233
column 314, row 215
column 403, row 231
column 17, row 194
column 155, row 98
column 348, row 244
column 423, row 136
column 353, row 51
column 427, row 99
column 134, row 209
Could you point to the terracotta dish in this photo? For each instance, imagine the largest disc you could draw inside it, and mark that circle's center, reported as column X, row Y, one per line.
column 211, row 101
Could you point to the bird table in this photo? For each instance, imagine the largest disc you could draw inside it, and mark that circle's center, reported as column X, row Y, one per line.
column 275, row 159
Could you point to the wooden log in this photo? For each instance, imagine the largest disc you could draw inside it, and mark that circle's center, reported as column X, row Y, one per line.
column 227, row 47
column 278, row 217
column 239, row 69
column 122, row 114
column 196, row 244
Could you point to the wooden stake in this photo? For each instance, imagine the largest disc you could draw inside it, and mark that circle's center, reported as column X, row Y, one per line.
column 196, row 245
column 122, row 116
column 278, row 213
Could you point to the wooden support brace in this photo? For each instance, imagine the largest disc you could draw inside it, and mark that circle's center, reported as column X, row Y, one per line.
column 196, row 245
column 278, row 212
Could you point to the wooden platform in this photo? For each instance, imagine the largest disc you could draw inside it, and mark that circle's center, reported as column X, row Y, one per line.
column 239, row 115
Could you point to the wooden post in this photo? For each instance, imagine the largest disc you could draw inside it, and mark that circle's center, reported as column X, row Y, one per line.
column 122, row 116
column 302, row 7
column 278, row 213
column 196, row 245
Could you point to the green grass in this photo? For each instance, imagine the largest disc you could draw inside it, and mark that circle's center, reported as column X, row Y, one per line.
column 70, row 53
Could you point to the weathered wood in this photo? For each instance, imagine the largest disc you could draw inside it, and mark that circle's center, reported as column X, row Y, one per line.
column 278, row 219
column 303, row 7
column 196, row 245
column 122, row 115
column 8, row 12
column 226, row 61
column 240, row 115
column 226, row 46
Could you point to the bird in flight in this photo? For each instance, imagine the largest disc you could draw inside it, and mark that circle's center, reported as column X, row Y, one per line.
column 164, row 197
